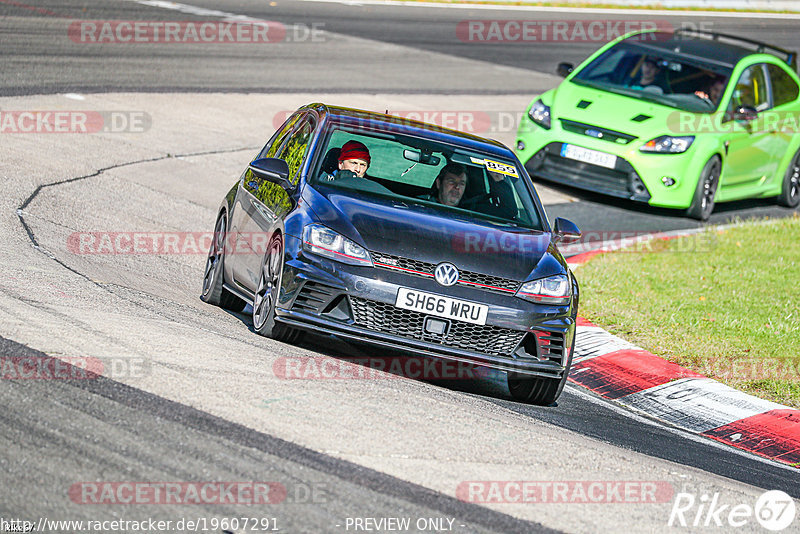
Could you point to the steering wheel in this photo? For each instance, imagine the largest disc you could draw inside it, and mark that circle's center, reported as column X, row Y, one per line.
column 702, row 95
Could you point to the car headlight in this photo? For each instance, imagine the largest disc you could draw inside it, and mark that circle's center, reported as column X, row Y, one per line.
column 551, row 290
column 325, row 242
column 667, row 144
column 540, row 114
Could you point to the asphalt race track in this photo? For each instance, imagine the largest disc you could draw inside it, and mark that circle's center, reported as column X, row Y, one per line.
column 189, row 394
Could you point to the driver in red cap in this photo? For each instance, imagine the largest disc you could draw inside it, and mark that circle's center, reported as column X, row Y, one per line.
column 354, row 157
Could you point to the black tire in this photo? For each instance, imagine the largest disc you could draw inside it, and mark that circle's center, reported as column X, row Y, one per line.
column 266, row 297
column 537, row 390
column 790, row 192
column 213, row 291
column 703, row 200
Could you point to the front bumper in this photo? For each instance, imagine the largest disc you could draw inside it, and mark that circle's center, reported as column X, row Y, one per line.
column 622, row 181
column 664, row 180
column 357, row 303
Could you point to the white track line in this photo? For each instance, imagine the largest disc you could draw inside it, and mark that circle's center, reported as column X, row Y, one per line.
column 554, row 9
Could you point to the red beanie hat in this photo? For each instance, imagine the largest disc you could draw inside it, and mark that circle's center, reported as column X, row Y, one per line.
column 354, row 150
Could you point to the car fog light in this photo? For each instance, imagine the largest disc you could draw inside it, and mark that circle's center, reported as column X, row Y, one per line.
column 636, row 186
column 668, row 181
column 520, row 145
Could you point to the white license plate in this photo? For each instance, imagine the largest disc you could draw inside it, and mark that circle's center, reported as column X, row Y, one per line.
column 588, row 156
column 441, row 306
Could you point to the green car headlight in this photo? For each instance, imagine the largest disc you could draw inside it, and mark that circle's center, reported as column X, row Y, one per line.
column 540, row 114
column 550, row 290
column 666, row 144
column 325, row 242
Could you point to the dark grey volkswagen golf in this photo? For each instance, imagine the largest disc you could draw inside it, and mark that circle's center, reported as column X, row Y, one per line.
column 404, row 235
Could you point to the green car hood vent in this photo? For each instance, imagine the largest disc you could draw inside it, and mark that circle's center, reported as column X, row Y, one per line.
column 641, row 118
column 583, row 104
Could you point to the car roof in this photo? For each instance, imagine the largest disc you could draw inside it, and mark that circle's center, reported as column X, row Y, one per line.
column 405, row 126
column 715, row 48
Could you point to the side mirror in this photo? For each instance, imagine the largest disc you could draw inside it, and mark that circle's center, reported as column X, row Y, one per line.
column 564, row 69
column 566, row 230
column 745, row 113
column 273, row 170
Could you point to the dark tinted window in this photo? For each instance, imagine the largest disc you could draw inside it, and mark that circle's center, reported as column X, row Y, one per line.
column 280, row 136
column 407, row 168
column 294, row 148
column 751, row 89
column 669, row 79
column 784, row 89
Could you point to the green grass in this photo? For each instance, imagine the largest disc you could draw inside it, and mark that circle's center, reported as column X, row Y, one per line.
column 725, row 303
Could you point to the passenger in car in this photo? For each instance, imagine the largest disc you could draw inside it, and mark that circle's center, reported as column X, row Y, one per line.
column 450, row 184
column 647, row 79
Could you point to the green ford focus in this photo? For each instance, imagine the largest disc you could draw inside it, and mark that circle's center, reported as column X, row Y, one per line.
column 679, row 120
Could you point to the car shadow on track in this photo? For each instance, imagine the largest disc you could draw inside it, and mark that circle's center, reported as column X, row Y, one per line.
column 380, row 363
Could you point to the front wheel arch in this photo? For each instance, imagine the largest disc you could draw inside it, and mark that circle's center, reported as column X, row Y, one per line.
column 705, row 193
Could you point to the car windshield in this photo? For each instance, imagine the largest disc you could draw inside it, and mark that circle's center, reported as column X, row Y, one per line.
column 458, row 181
column 656, row 76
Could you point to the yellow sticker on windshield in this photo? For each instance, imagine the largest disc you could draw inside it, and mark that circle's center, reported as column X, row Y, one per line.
column 502, row 168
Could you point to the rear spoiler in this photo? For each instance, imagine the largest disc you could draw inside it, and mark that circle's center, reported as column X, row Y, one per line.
column 788, row 56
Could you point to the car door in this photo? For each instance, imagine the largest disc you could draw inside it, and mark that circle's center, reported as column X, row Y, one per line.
column 266, row 203
column 242, row 249
column 781, row 121
column 753, row 146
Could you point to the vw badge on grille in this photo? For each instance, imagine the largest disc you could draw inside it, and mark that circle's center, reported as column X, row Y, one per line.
column 446, row 274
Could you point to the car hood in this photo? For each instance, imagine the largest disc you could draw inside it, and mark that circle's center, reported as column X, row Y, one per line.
column 403, row 227
column 628, row 115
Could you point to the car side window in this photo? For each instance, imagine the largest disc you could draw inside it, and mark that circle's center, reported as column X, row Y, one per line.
column 277, row 141
column 784, row 88
column 294, row 148
column 751, row 89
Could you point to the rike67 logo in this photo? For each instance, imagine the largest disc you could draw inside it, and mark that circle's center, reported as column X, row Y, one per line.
column 774, row 510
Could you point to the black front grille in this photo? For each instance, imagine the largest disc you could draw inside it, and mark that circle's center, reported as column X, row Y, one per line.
column 551, row 345
column 425, row 269
column 598, row 132
column 390, row 319
column 621, row 181
column 313, row 297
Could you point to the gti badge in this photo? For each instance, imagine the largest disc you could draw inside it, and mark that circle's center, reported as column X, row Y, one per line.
column 446, row 274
